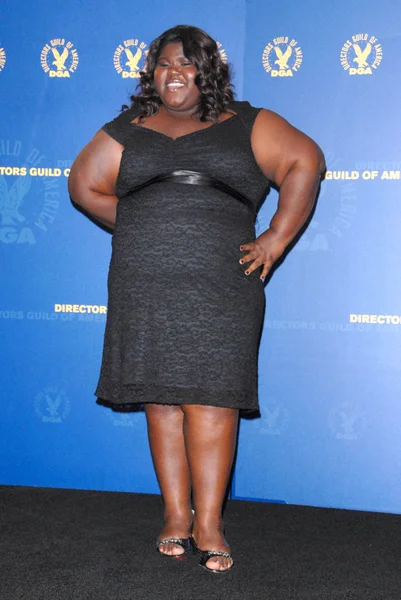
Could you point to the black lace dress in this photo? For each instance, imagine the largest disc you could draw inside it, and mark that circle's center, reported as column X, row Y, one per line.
column 184, row 321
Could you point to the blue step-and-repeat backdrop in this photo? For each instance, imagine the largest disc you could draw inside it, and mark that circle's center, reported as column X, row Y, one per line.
column 329, row 365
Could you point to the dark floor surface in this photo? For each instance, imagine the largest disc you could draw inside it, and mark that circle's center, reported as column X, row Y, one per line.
column 67, row 544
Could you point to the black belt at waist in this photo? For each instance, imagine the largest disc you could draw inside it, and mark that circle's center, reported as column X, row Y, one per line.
column 194, row 178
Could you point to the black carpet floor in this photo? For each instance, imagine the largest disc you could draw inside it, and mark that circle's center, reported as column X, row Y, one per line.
column 67, row 544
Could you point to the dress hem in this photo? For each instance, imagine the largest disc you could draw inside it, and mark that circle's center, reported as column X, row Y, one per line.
column 132, row 398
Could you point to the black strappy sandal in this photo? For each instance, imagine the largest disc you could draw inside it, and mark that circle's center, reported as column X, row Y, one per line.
column 185, row 543
column 204, row 555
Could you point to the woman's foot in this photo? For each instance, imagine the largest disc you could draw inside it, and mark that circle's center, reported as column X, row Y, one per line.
column 209, row 536
column 176, row 527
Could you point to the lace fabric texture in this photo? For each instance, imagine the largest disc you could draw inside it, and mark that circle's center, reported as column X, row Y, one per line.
column 184, row 321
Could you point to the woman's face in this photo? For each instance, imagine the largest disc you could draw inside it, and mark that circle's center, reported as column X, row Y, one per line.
column 174, row 78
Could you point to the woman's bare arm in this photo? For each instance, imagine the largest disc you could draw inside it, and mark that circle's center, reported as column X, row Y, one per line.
column 294, row 163
column 93, row 177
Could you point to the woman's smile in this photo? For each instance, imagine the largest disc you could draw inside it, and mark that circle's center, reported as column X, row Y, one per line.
column 174, row 86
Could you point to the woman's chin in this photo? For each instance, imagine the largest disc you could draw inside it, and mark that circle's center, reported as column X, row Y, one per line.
column 173, row 99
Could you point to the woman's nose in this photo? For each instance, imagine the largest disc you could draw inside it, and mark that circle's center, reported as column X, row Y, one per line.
column 174, row 70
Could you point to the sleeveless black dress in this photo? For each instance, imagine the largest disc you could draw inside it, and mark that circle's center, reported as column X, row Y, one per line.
column 184, row 321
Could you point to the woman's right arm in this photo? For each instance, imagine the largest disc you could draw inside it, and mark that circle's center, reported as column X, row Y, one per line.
column 93, row 176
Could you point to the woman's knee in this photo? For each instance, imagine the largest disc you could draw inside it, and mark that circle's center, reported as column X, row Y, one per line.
column 163, row 410
column 210, row 416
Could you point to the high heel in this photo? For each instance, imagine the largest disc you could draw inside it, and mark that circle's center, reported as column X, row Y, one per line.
column 185, row 543
column 204, row 555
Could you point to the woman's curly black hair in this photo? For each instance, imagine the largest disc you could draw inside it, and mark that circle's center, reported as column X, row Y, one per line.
column 212, row 78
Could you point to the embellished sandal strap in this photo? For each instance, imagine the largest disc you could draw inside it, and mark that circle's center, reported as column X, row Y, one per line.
column 184, row 543
column 205, row 555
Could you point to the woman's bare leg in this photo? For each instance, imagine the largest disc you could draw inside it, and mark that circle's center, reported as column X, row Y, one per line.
column 210, row 439
column 166, row 439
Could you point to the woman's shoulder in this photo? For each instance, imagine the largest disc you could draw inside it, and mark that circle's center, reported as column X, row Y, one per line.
column 118, row 127
column 243, row 107
column 247, row 112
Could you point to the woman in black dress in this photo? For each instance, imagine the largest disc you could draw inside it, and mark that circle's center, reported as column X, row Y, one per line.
column 179, row 177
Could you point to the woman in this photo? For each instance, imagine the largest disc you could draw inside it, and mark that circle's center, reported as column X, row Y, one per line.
column 179, row 177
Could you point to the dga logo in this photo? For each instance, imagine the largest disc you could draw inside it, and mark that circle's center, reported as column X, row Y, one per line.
column 347, row 421
column 361, row 55
column 129, row 58
column 124, row 419
column 52, row 405
column 59, row 58
column 275, row 418
column 21, row 220
column 223, row 53
column 2, row 58
column 282, row 57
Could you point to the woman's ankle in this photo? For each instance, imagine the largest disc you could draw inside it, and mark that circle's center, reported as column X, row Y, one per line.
column 208, row 523
column 179, row 514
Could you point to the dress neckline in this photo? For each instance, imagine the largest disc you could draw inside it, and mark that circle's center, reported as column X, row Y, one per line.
column 186, row 135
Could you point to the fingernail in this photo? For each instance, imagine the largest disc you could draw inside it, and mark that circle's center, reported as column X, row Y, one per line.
column 246, row 272
column 240, row 247
column 241, row 262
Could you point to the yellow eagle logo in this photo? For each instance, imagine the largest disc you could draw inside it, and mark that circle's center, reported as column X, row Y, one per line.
column 60, row 59
column 132, row 61
column 282, row 58
column 362, row 56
